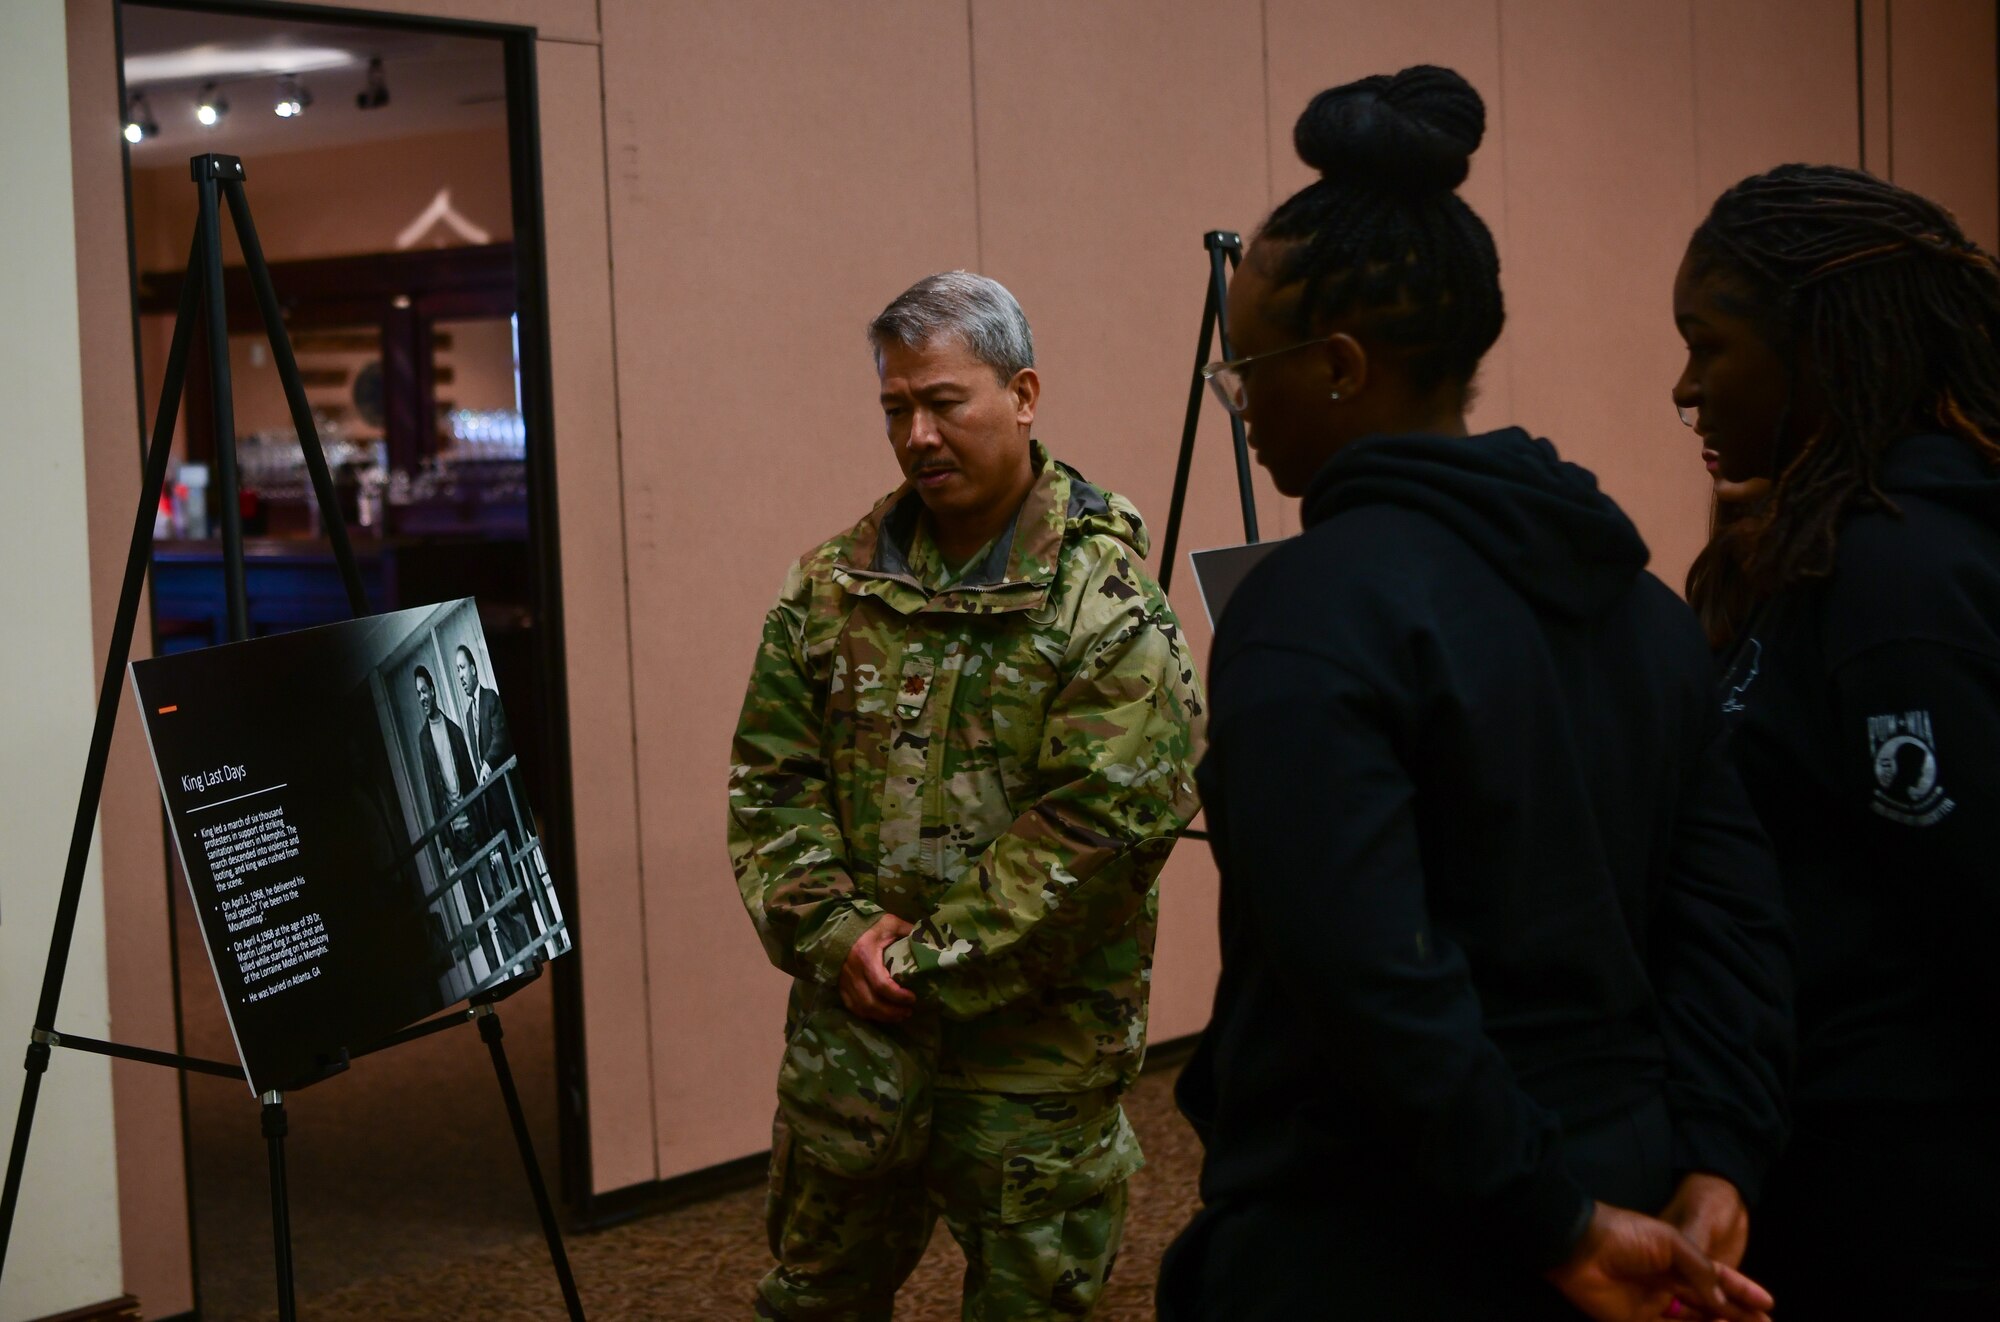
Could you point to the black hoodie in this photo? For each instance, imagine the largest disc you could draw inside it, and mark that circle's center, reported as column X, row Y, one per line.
column 1486, row 872
column 1867, row 708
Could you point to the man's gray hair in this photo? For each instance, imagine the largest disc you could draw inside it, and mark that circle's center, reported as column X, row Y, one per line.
column 977, row 310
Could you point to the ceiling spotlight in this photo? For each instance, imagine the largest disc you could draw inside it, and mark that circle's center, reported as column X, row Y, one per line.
column 210, row 105
column 375, row 93
column 139, row 121
column 293, row 98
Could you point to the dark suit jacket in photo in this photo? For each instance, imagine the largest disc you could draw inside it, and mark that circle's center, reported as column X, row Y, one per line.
column 494, row 744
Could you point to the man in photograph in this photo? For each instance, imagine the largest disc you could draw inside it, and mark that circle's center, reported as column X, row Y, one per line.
column 965, row 754
column 449, row 775
column 491, row 745
column 485, row 723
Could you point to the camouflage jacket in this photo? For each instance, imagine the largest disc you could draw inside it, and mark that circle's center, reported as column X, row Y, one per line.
column 1006, row 763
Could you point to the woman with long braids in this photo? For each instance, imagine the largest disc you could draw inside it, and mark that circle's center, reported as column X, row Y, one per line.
column 1502, row 1014
column 1843, row 370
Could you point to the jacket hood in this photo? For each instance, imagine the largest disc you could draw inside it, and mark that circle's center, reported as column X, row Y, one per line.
column 1944, row 469
column 1540, row 522
column 1061, row 506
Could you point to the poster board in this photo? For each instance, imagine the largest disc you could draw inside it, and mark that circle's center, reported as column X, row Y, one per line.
column 1219, row 572
column 351, row 820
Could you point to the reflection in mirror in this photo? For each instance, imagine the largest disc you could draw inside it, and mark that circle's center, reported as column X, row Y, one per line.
column 474, row 479
column 335, row 365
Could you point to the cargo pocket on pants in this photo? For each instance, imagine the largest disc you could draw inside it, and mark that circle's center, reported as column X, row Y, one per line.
column 1042, row 1174
column 856, row 1096
column 777, row 1188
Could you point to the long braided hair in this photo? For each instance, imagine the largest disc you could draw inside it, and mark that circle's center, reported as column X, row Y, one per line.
column 1876, row 293
column 1383, row 233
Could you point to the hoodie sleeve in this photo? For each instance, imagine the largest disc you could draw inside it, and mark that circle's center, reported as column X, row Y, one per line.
column 1076, row 867
column 1722, row 967
column 1919, row 730
column 1337, row 901
column 785, row 843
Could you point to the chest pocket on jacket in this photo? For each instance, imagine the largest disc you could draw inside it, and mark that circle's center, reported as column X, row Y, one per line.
column 1019, row 691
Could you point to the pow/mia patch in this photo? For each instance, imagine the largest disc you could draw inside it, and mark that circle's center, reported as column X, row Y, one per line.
column 1906, row 769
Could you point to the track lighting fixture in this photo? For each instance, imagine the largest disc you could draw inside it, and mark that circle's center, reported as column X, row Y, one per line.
column 293, row 98
column 210, row 105
column 139, row 121
column 374, row 94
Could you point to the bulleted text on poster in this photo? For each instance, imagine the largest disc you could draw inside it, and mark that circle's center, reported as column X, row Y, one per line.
column 274, row 951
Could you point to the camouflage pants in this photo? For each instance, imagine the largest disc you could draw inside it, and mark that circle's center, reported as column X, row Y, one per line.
column 1032, row 1188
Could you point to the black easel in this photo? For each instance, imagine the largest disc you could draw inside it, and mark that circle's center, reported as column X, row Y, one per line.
column 1214, row 330
column 217, row 178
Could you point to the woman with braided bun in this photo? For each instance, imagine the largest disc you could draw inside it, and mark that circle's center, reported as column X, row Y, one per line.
column 1503, row 1007
column 1843, row 372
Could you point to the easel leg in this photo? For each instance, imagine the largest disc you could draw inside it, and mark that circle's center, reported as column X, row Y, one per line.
column 1223, row 246
column 1185, row 464
column 37, row 1065
column 489, row 1033
column 1218, row 285
column 275, row 1128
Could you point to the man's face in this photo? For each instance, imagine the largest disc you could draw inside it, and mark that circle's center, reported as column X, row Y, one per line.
column 425, row 698
column 960, row 433
column 468, row 676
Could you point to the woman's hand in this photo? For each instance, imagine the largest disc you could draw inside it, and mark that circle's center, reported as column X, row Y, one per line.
column 1632, row 1268
column 1708, row 1210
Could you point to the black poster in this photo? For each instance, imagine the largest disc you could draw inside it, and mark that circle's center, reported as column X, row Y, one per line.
column 1220, row 572
column 351, row 821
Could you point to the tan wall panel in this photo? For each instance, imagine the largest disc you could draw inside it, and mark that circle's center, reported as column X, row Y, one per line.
column 1945, row 142
column 65, row 1247
column 1315, row 45
column 597, row 643
column 779, row 172
column 1775, row 82
column 152, row 1173
column 1099, row 174
column 1596, row 227
column 554, row 20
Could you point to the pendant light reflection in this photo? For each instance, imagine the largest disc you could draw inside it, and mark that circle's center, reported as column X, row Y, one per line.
column 139, row 122
column 293, row 98
column 210, row 106
column 375, row 93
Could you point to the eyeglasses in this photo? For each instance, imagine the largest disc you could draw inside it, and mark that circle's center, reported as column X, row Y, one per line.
column 1226, row 378
column 1687, row 415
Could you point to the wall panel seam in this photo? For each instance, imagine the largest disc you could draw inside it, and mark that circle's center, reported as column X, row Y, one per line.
column 972, row 94
column 625, row 591
column 1694, row 102
column 1270, row 166
column 1499, row 118
column 1889, row 88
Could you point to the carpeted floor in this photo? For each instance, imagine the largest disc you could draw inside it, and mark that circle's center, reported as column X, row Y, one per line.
column 700, row 1262
column 409, row 1206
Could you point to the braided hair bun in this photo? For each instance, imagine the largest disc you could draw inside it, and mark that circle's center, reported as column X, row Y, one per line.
column 1409, row 133
column 1382, row 243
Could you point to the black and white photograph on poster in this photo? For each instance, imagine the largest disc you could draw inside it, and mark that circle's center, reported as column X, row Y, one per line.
column 352, row 822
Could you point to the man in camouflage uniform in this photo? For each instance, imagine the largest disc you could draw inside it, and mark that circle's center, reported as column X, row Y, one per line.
column 965, row 753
